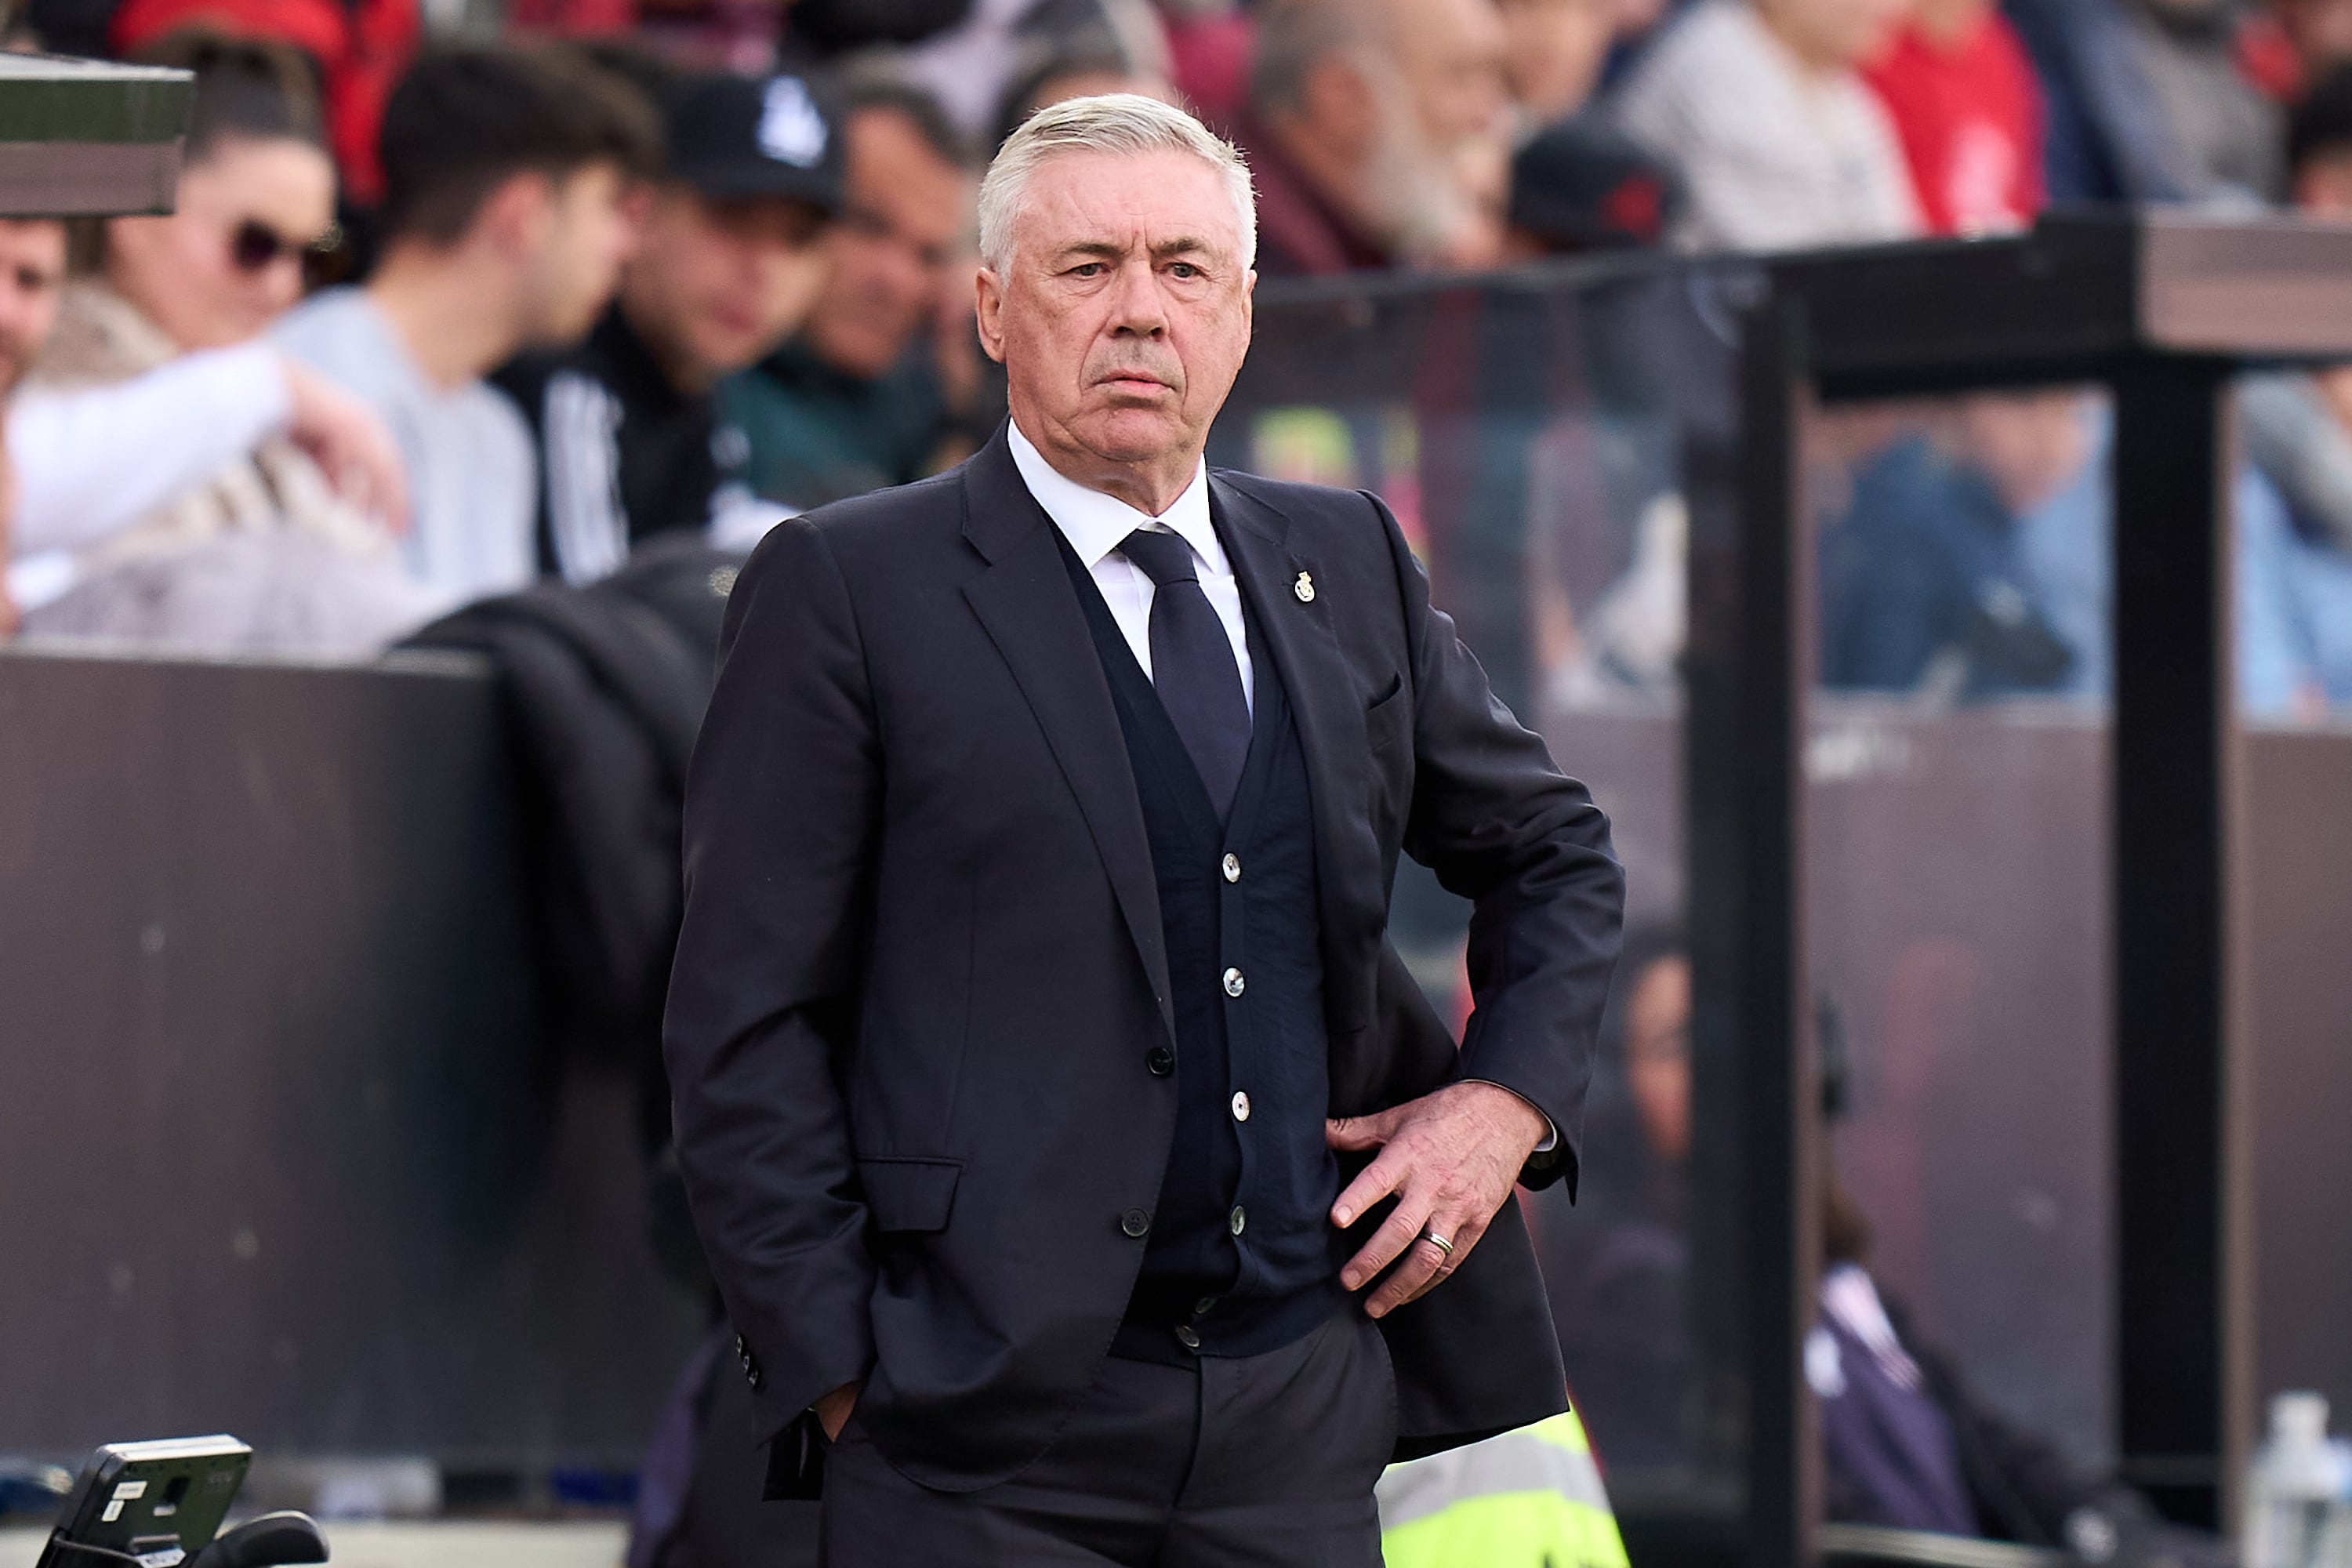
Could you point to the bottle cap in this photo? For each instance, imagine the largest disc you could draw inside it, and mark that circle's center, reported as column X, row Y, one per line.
column 2300, row 1417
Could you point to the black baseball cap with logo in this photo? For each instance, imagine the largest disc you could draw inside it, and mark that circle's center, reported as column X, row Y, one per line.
column 734, row 137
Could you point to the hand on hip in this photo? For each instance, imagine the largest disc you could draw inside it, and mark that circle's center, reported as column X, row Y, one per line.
column 1451, row 1158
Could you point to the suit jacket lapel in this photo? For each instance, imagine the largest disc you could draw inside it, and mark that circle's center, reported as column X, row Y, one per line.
column 1329, row 713
column 1026, row 602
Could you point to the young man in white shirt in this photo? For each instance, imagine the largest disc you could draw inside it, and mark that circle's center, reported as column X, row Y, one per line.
column 504, row 228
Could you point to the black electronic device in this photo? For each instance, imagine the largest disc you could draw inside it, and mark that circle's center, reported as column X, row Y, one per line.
column 161, row 1504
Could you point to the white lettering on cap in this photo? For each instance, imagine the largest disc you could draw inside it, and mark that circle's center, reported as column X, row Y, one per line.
column 791, row 128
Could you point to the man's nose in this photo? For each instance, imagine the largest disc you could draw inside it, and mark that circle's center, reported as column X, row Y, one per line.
column 1139, row 307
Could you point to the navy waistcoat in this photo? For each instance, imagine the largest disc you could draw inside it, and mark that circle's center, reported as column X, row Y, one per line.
column 1242, row 1255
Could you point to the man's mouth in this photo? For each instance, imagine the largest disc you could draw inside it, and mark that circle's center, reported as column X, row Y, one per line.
column 1131, row 380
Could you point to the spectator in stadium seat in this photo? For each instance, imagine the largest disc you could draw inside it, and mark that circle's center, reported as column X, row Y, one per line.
column 1965, row 104
column 853, row 401
column 1583, row 184
column 1377, row 135
column 137, row 496
column 2297, row 424
column 632, row 441
column 1925, row 580
column 1781, row 145
column 1059, row 71
column 2225, row 131
column 504, row 228
column 1553, row 55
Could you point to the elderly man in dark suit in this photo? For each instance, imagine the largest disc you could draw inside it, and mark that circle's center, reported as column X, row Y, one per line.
column 1084, row 1175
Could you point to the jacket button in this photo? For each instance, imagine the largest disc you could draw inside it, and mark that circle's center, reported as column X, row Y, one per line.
column 1187, row 1338
column 1236, row 1220
column 1232, row 868
column 1234, row 983
column 1135, row 1221
column 1204, row 1306
column 1161, row 1060
column 1241, row 1106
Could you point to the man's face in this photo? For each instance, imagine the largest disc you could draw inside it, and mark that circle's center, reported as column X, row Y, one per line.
column 1450, row 54
column 1123, row 313
column 1553, row 52
column 717, row 283
column 576, row 262
column 32, row 271
column 892, row 249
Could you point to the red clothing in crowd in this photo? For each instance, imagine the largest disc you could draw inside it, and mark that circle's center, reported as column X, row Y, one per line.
column 1970, row 116
column 363, row 48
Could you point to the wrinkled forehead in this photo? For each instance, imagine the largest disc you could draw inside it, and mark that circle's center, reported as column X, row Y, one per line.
column 1145, row 203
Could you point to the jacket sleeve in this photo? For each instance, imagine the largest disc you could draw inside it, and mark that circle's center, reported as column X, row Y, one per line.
column 1499, row 823
column 781, row 813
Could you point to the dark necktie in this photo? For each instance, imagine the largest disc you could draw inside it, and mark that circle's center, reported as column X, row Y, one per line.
column 1192, row 664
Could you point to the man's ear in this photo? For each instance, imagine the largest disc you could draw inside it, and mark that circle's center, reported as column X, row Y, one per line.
column 989, row 300
column 517, row 214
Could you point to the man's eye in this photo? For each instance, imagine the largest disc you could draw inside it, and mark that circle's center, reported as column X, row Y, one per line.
column 1185, row 270
column 1086, row 269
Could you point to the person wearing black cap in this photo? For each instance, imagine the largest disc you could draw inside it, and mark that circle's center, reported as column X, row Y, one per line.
column 1581, row 184
column 632, row 442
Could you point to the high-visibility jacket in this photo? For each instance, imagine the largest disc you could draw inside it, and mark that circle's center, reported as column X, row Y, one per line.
column 1528, row 1499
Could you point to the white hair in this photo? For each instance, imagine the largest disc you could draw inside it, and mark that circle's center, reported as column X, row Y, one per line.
column 1111, row 122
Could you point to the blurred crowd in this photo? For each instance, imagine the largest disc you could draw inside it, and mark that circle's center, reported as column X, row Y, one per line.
column 463, row 295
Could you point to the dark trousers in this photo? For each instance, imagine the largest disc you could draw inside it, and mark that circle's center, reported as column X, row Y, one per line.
column 1244, row 1462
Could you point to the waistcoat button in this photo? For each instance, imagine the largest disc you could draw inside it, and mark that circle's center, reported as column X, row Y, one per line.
column 1238, row 1220
column 1234, row 983
column 1241, row 1106
column 1233, row 867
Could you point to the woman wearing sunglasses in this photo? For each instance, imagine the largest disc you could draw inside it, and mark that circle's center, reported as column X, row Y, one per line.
column 264, row 496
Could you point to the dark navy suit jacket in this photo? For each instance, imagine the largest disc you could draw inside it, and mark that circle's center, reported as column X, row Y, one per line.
column 921, row 967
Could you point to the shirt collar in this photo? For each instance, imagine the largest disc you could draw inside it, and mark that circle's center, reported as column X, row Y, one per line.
column 1095, row 524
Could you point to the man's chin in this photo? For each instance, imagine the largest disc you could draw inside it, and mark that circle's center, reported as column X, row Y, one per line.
column 1133, row 434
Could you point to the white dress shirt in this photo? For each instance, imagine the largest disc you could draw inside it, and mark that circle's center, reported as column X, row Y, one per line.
column 1095, row 525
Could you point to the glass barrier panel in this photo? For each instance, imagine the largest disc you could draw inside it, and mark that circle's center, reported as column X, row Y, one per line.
column 1957, row 830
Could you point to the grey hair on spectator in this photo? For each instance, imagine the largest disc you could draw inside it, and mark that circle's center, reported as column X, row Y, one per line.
column 1294, row 37
column 1112, row 123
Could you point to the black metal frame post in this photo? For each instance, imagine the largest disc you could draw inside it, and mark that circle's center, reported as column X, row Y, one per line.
column 1746, row 672
column 2183, row 1356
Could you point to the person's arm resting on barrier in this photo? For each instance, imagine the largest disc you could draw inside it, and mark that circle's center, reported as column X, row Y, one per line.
column 1500, row 826
column 781, row 820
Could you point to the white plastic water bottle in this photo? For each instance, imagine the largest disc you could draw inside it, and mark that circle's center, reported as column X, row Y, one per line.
column 2296, row 1515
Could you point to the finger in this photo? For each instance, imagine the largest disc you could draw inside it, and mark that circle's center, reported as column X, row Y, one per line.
column 1387, row 1244
column 1464, row 1238
column 1374, row 1182
column 1416, row 1272
column 1355, row 1133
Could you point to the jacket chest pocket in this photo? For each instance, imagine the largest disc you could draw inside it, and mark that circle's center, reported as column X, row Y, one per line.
column 909, row 1195
column 1388, row 720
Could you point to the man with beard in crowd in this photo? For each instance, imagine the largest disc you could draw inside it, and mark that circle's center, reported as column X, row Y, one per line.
column 1376, row 135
